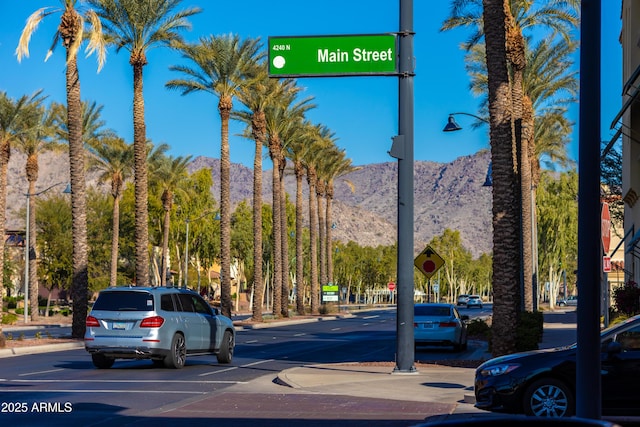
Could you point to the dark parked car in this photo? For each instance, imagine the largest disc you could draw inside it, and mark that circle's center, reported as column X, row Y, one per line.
column 161, row 324
column 543, row 382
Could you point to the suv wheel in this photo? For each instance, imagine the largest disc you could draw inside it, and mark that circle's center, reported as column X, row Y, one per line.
column 178, row 353
column 226, row 348
column 101, row 361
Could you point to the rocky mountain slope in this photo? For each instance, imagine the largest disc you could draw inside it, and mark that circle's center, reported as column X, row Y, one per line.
column 447, row 195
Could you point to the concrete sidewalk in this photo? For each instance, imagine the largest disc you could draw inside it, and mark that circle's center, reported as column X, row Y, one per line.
column 430, row 383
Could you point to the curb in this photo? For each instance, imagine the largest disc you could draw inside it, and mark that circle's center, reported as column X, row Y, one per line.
column 37, row 349
column 241, row 326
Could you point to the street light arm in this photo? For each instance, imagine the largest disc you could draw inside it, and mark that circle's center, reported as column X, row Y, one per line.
column 471, row 115
column 45, row 190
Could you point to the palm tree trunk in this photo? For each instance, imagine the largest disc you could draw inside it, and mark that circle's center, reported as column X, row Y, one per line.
column 224, row 107
column 285, row 242
column 313, row 243
column 322, row 234
column 141, row 179
column 517, row 58
column 258, row 293
column 506, row 242
column 115, row 235
column 5, row 154
column 166, row 202
column 80, row 279
column 328, row 227
column 277, row 230
column 33, row 260
column 299, row 246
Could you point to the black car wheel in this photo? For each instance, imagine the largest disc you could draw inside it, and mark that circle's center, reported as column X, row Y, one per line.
column 226, row 348
column 178, row 354
column 549, row 397
column 101, row 361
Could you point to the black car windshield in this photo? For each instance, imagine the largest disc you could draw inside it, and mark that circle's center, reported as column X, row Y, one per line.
column 431, row 310
column 124, row 301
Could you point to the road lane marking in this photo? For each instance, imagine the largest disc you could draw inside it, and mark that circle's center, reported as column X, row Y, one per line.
column 251, row 342
column 236, row 367
column 105, row 391
column 300, row 335
column 129, row 381
column 40, row 372
column 370, row 317
column 335, row 329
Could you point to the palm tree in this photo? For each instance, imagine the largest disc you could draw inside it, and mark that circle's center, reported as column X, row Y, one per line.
column 168, row 173
column 340, row 166
column 138, row 26
column 311, row 161
column 113, row 158
column 222, row 66
column 11, row 118
column 256, row 96
column 37, row 137
column 281, row 117
column 70, row 33
column 506, row 259
column 299, row 146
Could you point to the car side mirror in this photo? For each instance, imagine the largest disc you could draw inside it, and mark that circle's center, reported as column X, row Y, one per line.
column 216, row 312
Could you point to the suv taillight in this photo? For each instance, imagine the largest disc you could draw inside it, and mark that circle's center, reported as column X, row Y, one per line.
column 448, row 324
column 92, row 322
column 152, row 322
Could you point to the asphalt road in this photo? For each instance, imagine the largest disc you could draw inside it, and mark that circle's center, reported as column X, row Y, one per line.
column 64, row 387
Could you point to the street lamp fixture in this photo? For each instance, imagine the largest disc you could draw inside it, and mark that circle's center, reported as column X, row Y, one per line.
column 27, row 246
column 452, row 125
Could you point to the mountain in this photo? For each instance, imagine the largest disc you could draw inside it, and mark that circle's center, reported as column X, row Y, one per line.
column 446, row 195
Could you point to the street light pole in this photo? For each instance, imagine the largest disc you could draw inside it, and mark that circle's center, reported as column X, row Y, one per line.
column 27, row 246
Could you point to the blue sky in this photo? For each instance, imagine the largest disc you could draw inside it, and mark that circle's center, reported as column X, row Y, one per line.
column 362, row 111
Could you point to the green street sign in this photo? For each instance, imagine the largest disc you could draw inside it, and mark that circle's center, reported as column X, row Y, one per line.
column 317, row 56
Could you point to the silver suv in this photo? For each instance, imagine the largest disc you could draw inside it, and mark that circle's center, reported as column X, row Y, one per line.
column 161, row 324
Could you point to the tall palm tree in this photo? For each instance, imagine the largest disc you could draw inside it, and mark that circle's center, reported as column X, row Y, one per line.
column 113, row 158
column 222, row 65
column 312, row 160
column 506, row 259
column 70, row 33
column 168, row 173
column 138, row 26
column 11, row 120
column 340, row 166
column 256, row 96
column 38, row 137
column 282, row 116
column 299, row 146
column 561, row 18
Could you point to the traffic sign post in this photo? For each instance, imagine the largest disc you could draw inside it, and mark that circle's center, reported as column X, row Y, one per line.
column 605, row 227
column 322, row 56
column 428, row 262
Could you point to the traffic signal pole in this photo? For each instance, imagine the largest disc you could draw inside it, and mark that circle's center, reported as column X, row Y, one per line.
column 405, row 351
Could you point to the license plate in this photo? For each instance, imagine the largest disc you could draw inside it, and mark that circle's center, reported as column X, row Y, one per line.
column 119, row 326
column 428, row 325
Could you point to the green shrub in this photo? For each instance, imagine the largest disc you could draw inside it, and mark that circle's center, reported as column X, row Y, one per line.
column 327, row 309
column 479, row 329
column 627, row 298
column 529, row 330
column 9, row 318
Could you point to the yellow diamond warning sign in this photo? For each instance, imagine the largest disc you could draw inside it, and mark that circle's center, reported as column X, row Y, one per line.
column 428, row 262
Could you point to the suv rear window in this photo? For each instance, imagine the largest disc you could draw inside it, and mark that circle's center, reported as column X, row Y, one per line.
column 431, row 311
column 124, row 301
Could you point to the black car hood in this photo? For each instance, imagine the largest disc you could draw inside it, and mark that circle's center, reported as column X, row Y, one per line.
column 521, row 357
